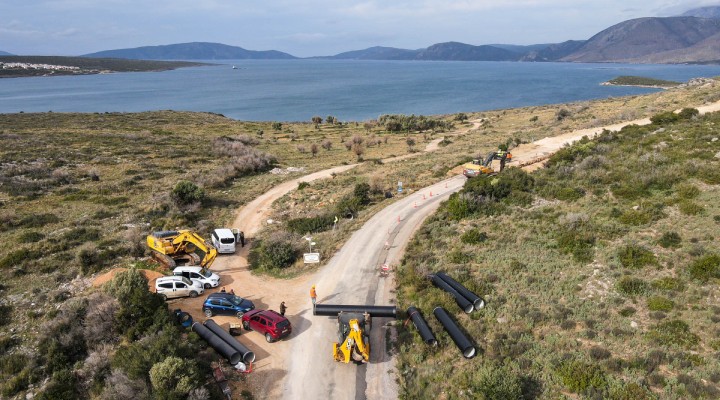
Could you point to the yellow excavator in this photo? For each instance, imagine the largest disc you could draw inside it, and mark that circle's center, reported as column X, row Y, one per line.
column 183, row 247
column 479, row 167
column 355, row 344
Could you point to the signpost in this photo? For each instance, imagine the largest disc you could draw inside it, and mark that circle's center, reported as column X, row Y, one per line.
column 311, row 258
column 399, row 187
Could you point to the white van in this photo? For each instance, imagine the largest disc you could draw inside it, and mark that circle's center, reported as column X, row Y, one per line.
column 207, row 278
column 171, row 287
column 224, row 240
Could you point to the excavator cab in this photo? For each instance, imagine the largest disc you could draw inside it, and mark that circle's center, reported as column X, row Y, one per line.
column 354, row 343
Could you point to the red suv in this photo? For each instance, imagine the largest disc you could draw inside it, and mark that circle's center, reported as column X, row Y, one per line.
column 268, row 322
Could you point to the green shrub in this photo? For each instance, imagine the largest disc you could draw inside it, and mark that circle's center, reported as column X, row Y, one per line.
column 635, row 217
column 629, row 190
column 687, row 191
column 302, row 185
column 579, row 376
column 631, row 286
column 670, row 239
column 31, row 237
column 19, row 257
column 664, row 118
column 186, row 192
column 578, row 242
column 63, row 385
column 39, row 220
column 705, row 267
column 569, row 194
column 497, row 383
column 659, row 303
column 631, row 391
column 673, row 332
column 12, row 364
column 627, row 311
column 458, row 207
column 669, row 283
column 633, row 256
column 456, row 256
column 473, row 236
column 319, row 223
column 688, row 207
column 688, row 113
column 5, row 314
column 277, row 252
column 16, row 384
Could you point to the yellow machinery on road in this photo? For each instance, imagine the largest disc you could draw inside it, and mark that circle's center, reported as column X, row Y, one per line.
column 479, row 167
column 355, row 344
column 183, row 247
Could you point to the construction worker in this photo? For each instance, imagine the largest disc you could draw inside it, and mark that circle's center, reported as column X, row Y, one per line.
column 222, row 290
column 282, row 308
column 232, row 291
column 313, row 295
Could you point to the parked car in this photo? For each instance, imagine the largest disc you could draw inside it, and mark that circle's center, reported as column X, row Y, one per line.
column 224, row 240
column 226, row 304
column 171, row 287
column 268, row 322
column 206, row 277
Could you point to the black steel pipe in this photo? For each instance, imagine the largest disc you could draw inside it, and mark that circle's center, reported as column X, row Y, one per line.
column 477, row 301
column 330, row 310
column 461, row 301
column 221, row 346
column 422, row 326
column 247, row 355
column 461, row 341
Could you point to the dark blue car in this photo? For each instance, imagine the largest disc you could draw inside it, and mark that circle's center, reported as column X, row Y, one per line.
column 226, row 304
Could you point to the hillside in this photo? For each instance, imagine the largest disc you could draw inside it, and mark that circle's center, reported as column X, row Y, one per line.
column 192, row 51
column 600, row 273
column 5, row 53
column 454, row 51
column 703, row 12
column 376, row 53
column 646, row 40
column 24, row 66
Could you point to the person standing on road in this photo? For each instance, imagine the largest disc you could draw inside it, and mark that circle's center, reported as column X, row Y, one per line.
column 313, row 295
column 282, row 308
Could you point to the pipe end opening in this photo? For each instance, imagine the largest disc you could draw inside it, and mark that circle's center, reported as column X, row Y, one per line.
column 469, row 352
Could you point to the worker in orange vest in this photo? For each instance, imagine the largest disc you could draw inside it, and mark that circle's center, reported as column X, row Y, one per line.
column 313, row 295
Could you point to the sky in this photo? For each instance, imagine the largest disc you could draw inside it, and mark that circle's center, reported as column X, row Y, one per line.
column 310, row 27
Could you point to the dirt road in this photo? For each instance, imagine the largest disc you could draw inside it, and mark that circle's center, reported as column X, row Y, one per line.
column 301, row 366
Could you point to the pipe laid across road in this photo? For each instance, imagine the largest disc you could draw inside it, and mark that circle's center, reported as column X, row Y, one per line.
column 461, row 301
column 247, row 355
column 461, row 341
column 331, row 310
column 477, row 301
column 422, row 326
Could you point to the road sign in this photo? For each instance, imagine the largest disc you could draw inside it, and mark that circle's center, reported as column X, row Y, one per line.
column 311, row 258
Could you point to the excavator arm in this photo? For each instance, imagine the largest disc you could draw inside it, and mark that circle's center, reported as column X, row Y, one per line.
column 188, row 239
column 168, row 246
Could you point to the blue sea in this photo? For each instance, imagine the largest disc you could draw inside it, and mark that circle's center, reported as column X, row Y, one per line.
column 296, row 90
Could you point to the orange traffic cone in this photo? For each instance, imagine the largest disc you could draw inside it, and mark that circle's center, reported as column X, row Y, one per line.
column 430, row 194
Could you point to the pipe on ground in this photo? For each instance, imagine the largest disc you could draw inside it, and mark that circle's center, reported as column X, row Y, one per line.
column 247, row 355
column 331, row 310
column 221, row 346
column 422, row 326
column 461, row 341
column 461, row 301
column 477, row 301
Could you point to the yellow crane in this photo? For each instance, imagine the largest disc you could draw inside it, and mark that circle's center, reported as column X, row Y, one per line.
column 183, row 247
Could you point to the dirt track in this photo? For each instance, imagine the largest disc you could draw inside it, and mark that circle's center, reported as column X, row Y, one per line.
column 301, row 367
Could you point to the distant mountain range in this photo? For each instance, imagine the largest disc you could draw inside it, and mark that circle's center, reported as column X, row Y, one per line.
column 5, row 53
column 693, row 37
column 192, row 51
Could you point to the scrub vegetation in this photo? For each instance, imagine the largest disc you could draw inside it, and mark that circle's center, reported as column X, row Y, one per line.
column 611, row 292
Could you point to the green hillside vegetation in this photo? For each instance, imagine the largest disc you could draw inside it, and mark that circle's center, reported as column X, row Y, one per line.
column 641, row 81
column 600, row 273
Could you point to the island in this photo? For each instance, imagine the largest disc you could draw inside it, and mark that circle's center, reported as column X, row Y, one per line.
column 640, row 81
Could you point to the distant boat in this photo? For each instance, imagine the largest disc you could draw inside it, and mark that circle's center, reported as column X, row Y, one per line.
column 234, row 67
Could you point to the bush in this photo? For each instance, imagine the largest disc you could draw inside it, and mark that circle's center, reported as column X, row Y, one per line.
column 673, row 332
column 670, row 239
column 599, row 353
column 5, row 314
column 687, row 191
column 631, row 286
column 659, row 303
column 473, row 236
column 276, row 252
column 688, row 113
column 669, row 283
column 497, row 383
column 579, row 242
column 635, row 257
column 31, row 237
column 579, row 376
column 186, row 192
column 569, row 194
column 664, row 118
column 688, row 207
column 631, row 391
column 174, row 377
column 311, row 224
column 705, row 268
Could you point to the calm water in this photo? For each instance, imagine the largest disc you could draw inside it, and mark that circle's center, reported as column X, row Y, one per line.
column 295, row 90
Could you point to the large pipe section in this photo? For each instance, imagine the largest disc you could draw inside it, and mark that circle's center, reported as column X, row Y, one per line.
column 477, row 301
column 461, row 301
column 221, row 346
column 461, row 341
column 247, row 355
column 422, row 326
column 331, row 310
